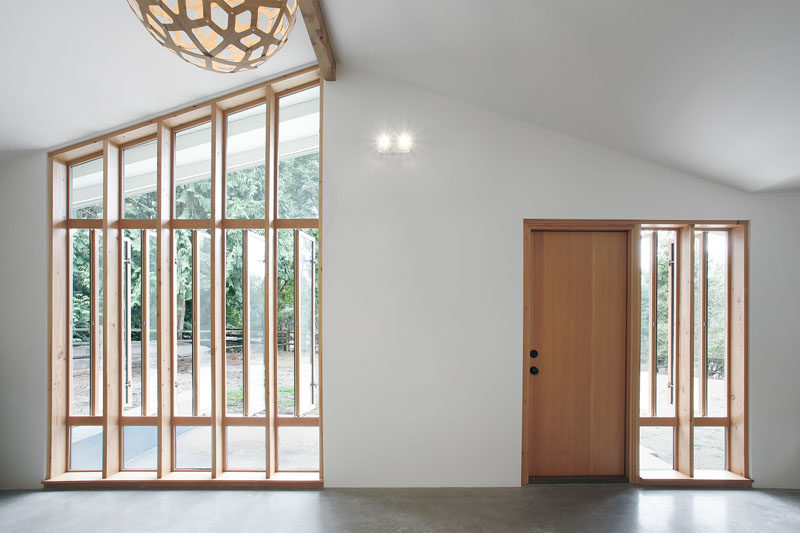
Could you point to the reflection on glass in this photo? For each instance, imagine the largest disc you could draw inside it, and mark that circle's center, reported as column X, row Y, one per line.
column 298, row 448
column 151, row 335
column 193, row 448
column 698, row 321
column 298, row 154
column 256, row 373
column 644, row 352
column 285, row 322
column 193, row 274
column 246, row 448
column 82, row 350
column 139, row 180
column 717, row 323
column 234, row 330
column 710, row 448
column 86, row 189
column 139, row 447
column 245, row 152
column 307, row 395
column 656, row 448
column 192, row 172
column 86, row 448
column 665, row 323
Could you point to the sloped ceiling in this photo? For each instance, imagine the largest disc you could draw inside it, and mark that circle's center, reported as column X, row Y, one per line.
column 73, row 69
column 708, row 87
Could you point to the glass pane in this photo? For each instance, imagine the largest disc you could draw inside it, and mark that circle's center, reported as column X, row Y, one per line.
column 86, row 448
column 203, row 327
column 717, row 323
column 132, row 322
column 234, row 330
column 307, row 397
column 245, row 152
column 86, row 189
column 644, row 352
column 665, row 323
column 298, row 448
column 285, row 321
column 151, row 364
column 80, row 366
column 246, row 448
column 710, row 447
column 193, row 448
column 656, row 448
column 193, row 373
column 298, row 155
column 698, row 321
column 139, row 448
column 193, row 172
column 139, row 180
column 256, row 272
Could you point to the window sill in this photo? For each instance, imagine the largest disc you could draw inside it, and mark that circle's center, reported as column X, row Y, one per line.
column 702, row 478
column 74, row 480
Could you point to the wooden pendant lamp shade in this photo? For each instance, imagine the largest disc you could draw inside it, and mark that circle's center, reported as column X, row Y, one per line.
column 219, row 35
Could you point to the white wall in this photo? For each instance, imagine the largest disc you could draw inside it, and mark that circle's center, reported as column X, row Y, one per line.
column 422, row 288
column 422, row 283
column 23, row 320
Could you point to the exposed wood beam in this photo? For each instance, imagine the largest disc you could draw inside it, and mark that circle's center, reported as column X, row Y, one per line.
column 320, row 40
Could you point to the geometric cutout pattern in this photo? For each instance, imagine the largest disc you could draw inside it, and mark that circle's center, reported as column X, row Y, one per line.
column 219, row 35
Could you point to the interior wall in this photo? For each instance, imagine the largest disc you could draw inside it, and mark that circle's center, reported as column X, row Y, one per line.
column 422, row 294
column 422, row 283
column 23, row 320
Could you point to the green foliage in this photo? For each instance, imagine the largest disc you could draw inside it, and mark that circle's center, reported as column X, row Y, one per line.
column 245, row 198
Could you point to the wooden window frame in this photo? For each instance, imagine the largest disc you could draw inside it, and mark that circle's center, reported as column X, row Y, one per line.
column 110, row 416
column 684, row 420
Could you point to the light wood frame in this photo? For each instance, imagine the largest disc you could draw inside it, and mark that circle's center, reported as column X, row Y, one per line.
column 110, row 416
column 684, row 420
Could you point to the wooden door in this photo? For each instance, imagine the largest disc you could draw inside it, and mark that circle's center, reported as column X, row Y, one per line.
column 578, row 314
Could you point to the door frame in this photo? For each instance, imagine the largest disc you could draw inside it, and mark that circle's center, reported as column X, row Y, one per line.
column 632, row 228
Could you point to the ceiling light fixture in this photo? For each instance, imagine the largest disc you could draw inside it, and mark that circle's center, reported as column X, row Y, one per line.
column 219, row 35
column 384, row 143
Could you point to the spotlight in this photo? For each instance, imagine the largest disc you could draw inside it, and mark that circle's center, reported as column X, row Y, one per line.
column 404, row 143
column 384, row 143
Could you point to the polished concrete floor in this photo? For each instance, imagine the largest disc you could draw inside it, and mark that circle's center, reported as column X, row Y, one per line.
column 617, row 508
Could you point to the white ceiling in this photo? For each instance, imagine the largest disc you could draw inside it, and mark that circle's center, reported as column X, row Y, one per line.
column 710, row 87
column 74, row 69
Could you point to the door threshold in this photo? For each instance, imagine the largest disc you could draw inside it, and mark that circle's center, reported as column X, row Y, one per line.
column 576, row 480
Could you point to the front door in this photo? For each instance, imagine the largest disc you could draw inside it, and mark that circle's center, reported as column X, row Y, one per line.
column 576, row 381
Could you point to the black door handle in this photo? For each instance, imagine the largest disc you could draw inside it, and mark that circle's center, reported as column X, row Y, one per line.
column 534, row 353
column 534, row 370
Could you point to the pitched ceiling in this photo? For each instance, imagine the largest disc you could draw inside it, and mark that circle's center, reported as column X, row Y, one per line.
column 711, row 88
column 708, row 87
column 74, row 69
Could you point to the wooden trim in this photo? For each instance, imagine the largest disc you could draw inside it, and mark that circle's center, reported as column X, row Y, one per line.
column 192, row 421
column 320, row 39
column 738, row 434
column 184, row 479
column 296, row 223
column 297, row 421
column 136, row 140
column 193, row 224
column 93, row 420
column 243, row 223
column 577, row 224
column 138, row 223
column 83, row 223
column 166, row 335
column 217, row 292
column 703, row 478
column 195, row 324
column 270, row 293
column 112, row 334
column 127, row 420
column 244, row 421
column 319, row 276
column 634, row 355
column 711, row 421
column 684, row 302
column 658, row 421
column 297, row 361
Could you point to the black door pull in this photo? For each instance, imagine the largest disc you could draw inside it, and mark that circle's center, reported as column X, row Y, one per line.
column 534, row 353
column 534, row 370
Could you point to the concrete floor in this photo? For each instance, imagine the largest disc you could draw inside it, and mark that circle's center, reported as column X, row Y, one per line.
column 616, row 508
